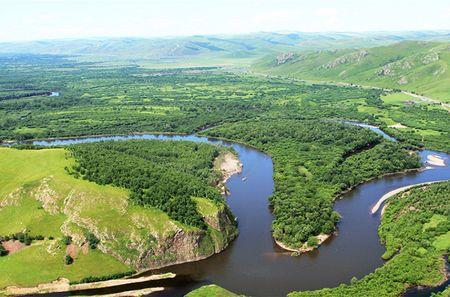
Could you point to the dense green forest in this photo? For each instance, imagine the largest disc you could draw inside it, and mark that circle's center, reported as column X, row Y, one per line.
column 415, row 229
column 165, row 175
column 313, row 162
column 99, row 98
column 108, row 100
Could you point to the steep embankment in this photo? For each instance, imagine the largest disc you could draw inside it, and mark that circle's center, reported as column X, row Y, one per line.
column 416, row 66
column 92, row 223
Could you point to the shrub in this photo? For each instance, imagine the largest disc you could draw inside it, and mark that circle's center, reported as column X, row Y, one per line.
column 68, row 260
column 3, row 251
column 67, row 240
column 92, row 240
column 312, row 241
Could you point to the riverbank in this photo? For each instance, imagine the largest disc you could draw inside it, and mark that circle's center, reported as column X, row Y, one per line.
column 435, row 160
column 321, row 238
column 228, row 165
column 63, row 285
column 395, row 192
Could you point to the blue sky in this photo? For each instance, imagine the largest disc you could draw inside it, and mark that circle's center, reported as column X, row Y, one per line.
column 50, row 19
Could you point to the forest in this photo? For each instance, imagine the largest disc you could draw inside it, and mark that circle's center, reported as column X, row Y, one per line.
column 165, row 175
column 299, row 124
column 414, row 229
column 314, row 161
column 99, row 98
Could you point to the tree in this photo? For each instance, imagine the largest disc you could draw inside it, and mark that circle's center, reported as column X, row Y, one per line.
column 92, row 240
column 67, row 240
column 68, row 260
column 3, row 251
column 312, row 241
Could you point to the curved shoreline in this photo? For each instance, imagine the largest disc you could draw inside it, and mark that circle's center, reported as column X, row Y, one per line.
column 397, row 191
column 204, row 138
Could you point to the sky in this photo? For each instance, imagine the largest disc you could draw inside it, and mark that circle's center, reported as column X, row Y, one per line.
column 55, row 19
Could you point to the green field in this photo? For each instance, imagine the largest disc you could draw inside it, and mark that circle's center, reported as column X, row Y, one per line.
column 37, row 191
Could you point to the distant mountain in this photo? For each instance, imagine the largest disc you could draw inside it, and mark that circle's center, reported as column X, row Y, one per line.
column 228, row 46
column 418, row 66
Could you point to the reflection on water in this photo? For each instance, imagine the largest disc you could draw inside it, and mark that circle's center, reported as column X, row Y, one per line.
column 253, row 264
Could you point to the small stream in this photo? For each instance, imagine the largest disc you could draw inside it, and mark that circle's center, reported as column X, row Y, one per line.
column 253, row 264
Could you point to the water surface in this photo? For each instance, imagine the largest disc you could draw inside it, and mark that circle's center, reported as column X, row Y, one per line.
column 253, row 264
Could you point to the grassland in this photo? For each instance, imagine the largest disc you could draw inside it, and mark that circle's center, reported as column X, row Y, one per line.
column 211, row 291
column 29, row 203
column 38, row 196
column 420, row 67
column 99, row 98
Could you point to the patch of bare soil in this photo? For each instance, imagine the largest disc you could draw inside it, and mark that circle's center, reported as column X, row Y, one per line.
column 85, row 248
column 72, row 250
column 13, row 246
column 398, row 126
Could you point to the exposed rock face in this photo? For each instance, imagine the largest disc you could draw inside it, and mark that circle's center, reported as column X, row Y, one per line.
column 403, row 81
column 47, row 196
column 385, row 71
column 132, row 235
column 283, row 58
column 186, row 246
column 430, row 58
column 350, row 58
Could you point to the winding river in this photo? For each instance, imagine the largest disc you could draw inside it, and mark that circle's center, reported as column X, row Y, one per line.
column 253, row 264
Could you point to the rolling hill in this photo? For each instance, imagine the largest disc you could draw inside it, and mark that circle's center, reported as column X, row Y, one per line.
column 415, row 66
column 254, row 45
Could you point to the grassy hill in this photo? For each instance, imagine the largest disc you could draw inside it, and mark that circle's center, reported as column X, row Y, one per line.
column 49, row 205
column 210, row 49
column 416, row 66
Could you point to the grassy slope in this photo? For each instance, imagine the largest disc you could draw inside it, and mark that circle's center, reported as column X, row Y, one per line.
column 423, row 67
column 211, row 291
column 24, row 169
column 30, row 174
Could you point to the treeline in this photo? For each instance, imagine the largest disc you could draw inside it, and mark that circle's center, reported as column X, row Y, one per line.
column 121, row 100
column 314, row 161
column 414, row 228
column 162, row 174
column 24, row 95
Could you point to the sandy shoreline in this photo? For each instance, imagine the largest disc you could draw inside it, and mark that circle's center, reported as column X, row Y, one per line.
column 321, row 238
column 63, row 285
column 435, row 160
column 395, row 192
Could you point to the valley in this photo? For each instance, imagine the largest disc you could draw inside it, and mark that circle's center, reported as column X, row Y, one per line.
column 224, row 163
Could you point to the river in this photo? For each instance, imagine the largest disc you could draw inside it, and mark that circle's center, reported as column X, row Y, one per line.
column 253, row 264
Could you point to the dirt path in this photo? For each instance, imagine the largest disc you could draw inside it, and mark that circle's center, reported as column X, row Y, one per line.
column 428, row 100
